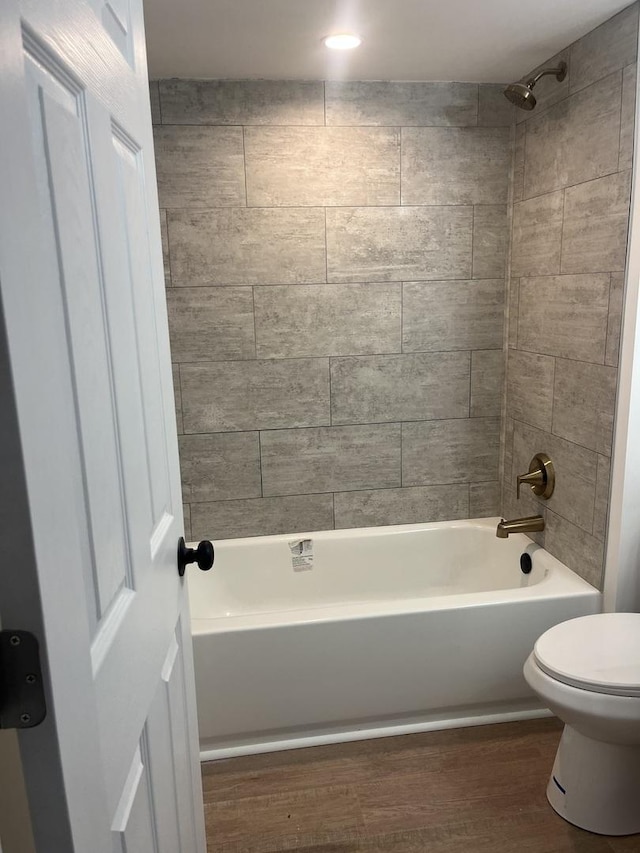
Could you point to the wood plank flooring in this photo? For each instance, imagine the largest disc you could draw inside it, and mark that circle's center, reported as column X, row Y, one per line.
column 476, row 790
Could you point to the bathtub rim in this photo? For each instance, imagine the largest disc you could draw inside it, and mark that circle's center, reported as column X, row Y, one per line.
column 559, row 581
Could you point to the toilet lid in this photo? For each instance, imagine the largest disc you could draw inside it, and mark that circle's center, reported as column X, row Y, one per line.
column 599, row 653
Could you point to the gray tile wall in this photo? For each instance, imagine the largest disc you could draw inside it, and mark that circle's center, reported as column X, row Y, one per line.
column 335, row 268
column 571, row 192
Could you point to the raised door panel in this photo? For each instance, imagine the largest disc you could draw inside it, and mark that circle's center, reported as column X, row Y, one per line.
column 58, row 115
column 116, row 19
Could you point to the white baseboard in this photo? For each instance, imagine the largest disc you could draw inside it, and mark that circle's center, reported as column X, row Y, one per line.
column 389, row 730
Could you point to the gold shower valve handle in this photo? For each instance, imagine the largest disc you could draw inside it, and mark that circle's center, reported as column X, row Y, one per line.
column 541, row 477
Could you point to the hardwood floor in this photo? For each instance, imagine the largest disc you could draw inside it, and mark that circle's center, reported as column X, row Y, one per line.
column 477, row 790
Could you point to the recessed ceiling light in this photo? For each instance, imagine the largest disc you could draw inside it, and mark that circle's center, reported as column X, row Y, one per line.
column 343, row 41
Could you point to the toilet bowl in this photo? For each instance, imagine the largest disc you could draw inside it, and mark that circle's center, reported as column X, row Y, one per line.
column 587, row 671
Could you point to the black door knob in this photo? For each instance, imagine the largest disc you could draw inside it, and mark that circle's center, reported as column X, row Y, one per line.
column 203, row 555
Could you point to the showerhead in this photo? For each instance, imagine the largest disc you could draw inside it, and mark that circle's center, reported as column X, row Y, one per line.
column 521, row 94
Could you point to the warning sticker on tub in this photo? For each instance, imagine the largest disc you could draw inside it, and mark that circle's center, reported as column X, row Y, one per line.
column 301, row 554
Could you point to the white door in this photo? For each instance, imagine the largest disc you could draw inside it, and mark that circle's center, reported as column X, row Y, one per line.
column 90, row 503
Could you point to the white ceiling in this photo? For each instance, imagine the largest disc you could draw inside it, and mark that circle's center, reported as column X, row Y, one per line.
column 451, row 40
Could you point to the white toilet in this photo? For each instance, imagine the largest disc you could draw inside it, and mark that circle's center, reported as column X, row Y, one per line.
column 587, row 671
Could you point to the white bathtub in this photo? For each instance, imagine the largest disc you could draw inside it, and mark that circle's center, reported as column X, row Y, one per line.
column 390, row 630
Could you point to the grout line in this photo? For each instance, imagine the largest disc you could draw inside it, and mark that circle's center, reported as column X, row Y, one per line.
column 389, row 206
column 564, row 202
column 606, row 337
column 389, row 353
column 429, row 485
column 330, row 395
column 255, row 329
column 166, row 228
column 353, row 126
column 473, row 237
column 423, row 281
column 244, row 163
column 326, row 250
column 180, row 394
column 349, row 425
column 517, row 312
column 560, row 437
column 260, row 462
column 400, row 170
column 564, row 187
column 563, row 357
column 401, row 317
column 621, row 106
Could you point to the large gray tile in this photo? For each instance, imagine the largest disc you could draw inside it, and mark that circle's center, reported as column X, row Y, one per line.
column 199, row 167
column 154, row 96
column 164, row 236
column 530, row 388
column 453, row 165
column 453, row 315
column 238, row 102
column 328, row 319
column 537, row 235
column 177, row 395
column 627, row 117
column 222, row 466
column 420, row 386
column 328, row 459
column 594, row 235
column 261, row 517
column 248, row 395
column 399, row 243
column 584, row 554
column 309, row 166
column 211, row 323
column 548, row 90
column 235, row 246
column 514, row 302
column 584, row 402
column 452, row 451
column 494, row 110
column 487, row 383
column 484, row 499
column 402, row 104
column 519, row 162
column 614, row 324
column 401, row 506
column 608, row 48
column 576, row 471
column 490, row 237
column 564, row 315
column 576, row 140
column 603, row 487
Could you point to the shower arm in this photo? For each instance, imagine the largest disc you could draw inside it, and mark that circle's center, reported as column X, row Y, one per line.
column 559, row 72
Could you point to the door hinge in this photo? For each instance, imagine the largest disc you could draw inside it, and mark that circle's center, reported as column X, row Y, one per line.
column 22, row 702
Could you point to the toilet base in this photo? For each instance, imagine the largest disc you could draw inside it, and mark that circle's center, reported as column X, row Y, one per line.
column 596, row 785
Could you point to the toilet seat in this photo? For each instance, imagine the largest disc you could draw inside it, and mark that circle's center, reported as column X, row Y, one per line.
column 599, row 653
